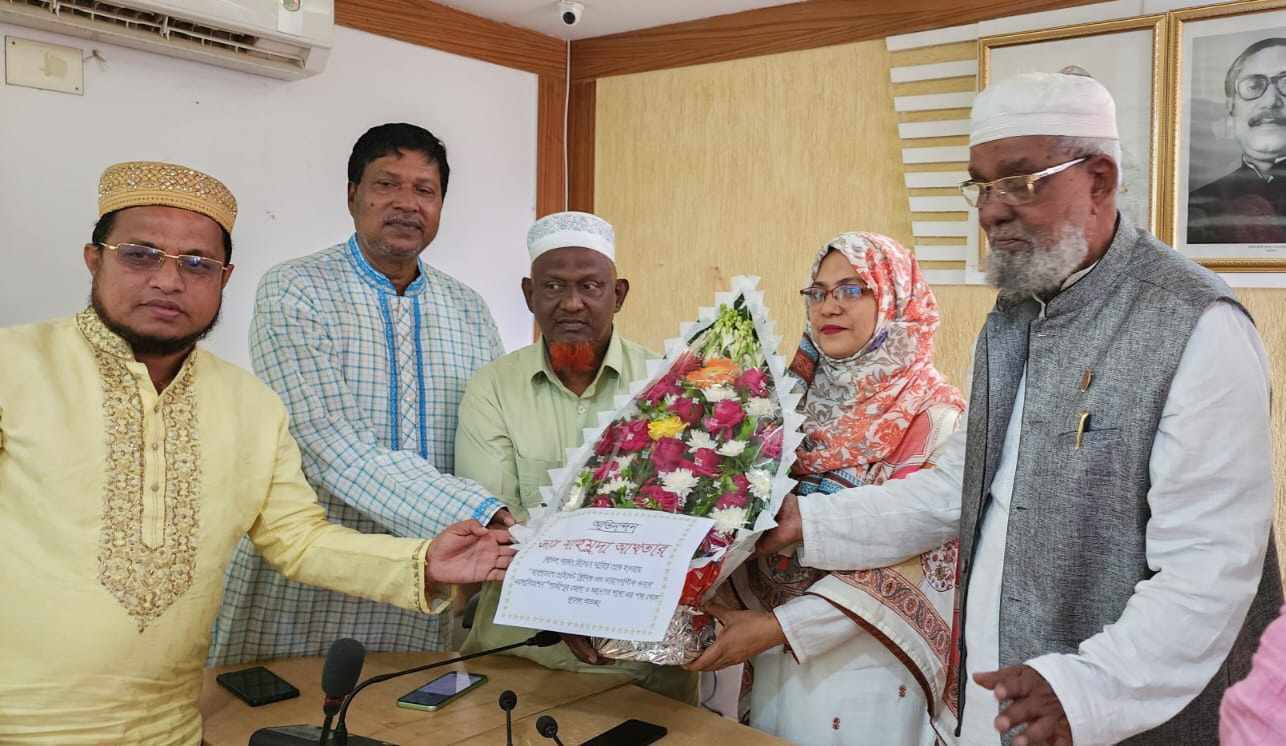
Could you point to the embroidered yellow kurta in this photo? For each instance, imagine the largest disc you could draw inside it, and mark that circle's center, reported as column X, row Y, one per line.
column 120, row 509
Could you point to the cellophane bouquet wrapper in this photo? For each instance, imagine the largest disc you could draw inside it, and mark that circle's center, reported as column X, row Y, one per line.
column 711, row 432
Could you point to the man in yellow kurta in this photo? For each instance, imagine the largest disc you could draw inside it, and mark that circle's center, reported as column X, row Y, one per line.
column 523, row 411
column 131, row 463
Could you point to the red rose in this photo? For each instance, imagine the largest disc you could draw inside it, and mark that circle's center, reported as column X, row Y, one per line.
column 732, row 500
column 667, row 453
column 632, row 436
column 772, row 445
column 753, row 382
column 654, row 494
column 687, row 409
column 602, row 501
column 727, row 415
column 605, row 471
column 665, row 387
column 607, row 443
column 705, row 463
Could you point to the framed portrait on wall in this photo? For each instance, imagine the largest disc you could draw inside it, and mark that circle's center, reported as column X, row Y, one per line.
column 1228, row 201
column 1109, row 51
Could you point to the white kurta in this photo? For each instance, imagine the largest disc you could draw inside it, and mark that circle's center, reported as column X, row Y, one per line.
column 1212, row 510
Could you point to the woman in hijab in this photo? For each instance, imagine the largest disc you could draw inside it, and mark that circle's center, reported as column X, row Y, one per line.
column 855, row 657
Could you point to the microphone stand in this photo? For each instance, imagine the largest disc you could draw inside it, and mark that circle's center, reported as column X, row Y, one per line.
column 341, row 727
column 329, row 709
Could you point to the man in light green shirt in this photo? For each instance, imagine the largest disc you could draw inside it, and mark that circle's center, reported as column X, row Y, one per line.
column 522, row 412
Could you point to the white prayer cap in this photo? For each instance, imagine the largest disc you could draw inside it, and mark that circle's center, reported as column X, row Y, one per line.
column 1064, row 104
column 564, row 229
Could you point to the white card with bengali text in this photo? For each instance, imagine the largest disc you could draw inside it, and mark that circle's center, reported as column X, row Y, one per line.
column 602, row 572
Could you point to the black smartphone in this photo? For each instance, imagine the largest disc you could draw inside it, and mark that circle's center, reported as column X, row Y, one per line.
column 629, row 733
column 257, row 686
column 441, row 690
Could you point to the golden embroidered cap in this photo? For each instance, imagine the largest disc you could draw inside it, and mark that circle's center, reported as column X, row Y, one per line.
column 142, row 183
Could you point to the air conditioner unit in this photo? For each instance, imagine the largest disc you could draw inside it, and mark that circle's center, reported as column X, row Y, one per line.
column 286, row 39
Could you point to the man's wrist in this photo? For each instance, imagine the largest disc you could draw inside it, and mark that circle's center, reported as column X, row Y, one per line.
column 1054, row 668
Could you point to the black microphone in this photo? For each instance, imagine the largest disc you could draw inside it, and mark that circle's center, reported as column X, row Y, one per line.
column 540, row 640
column 508, row 701
column 340, row 672
column 548, row 727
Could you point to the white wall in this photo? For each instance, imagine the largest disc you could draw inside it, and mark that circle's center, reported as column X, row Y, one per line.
column 282, row 148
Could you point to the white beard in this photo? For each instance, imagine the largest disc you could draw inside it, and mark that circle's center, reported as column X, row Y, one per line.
column 1039, row 270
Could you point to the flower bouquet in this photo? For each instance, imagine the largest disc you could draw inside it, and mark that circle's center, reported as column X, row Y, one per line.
column 711, row 432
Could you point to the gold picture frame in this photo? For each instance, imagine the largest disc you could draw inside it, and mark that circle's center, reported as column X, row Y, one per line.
column 1181, row 101
column 1153, row 120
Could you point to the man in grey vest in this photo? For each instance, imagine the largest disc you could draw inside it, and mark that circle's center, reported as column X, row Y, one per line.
column 1112, row 491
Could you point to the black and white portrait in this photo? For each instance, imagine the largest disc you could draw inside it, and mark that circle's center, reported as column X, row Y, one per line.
column 1231, row 170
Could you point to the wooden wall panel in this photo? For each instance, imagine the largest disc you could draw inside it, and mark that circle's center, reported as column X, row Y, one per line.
column 583, row 138
column 431, row 25
column 551, row 193
column 746, row 167
column 1268, row 306
column 782, row 28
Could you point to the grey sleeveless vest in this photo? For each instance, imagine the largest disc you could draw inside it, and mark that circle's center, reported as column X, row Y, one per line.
column 1075, row 547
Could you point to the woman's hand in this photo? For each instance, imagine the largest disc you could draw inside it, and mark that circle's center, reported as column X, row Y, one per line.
column 745, row 634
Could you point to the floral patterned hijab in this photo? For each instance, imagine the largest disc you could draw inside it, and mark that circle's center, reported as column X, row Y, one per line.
column 857, row 409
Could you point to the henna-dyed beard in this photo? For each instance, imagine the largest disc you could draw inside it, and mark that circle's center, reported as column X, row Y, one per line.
column 573, row 358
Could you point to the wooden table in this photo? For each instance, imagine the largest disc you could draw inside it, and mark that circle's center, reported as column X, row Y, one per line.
column 584, row 705
column 581, row 720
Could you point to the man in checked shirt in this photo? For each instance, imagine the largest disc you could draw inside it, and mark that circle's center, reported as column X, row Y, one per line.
column 371, row 349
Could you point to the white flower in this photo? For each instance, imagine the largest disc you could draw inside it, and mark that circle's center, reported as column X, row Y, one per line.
column 615, row 484
column 720, row 393
column 698, row 439
column 732, row 448
column 760, row 483
column 679, row 481
column 761, row 406
column 670, row 400
column 728, row 520
column 623, row 462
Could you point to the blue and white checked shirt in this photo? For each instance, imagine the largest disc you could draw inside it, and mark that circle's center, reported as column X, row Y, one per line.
column 373, row 382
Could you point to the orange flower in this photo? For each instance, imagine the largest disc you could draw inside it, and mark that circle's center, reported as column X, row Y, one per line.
column 717, row 370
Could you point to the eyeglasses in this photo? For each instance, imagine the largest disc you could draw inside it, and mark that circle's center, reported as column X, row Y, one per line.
column 1012, row 190
column 1252, row 87
column 845, row 295
column 150, row 259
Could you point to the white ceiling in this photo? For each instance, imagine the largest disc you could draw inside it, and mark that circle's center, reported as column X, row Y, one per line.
column 603, row 16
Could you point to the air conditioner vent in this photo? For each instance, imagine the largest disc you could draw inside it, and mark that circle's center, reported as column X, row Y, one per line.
column 113, row 22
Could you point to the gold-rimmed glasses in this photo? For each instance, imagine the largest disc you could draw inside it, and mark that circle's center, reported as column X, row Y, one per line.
column 1012, row 190
column 149, row 259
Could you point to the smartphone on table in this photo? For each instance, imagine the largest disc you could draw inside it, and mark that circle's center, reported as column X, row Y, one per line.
column 629, row 733
column 257, row 686
column 441, row 690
